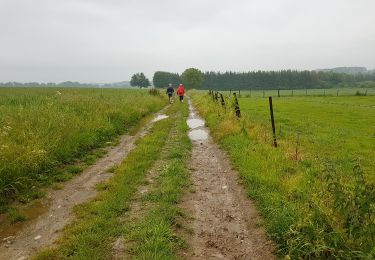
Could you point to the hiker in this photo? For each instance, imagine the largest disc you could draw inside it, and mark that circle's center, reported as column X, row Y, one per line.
column 181, row 92
column 170, row 92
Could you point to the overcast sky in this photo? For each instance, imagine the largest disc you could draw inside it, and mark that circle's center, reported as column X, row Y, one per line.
column 109, row 40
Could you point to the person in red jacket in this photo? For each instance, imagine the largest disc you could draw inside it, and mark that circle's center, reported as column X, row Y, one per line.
column 181, row 92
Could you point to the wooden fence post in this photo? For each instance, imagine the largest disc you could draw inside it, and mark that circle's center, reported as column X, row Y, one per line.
column 222, row 100
column 273, row 123
column 236, row 106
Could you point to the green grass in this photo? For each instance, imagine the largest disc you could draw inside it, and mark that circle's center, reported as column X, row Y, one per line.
column 98, row 222
column 153, row 236
column 15, row 216
column 44, row 129
column 316, row 191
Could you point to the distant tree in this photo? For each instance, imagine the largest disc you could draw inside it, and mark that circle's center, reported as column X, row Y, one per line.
column 161, row 79
column 192, row 78
column 139, row 80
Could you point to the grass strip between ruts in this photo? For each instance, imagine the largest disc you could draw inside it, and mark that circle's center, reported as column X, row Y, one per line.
column 152, row 235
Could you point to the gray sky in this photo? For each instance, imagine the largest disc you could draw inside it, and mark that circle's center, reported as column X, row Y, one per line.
column 109, row 40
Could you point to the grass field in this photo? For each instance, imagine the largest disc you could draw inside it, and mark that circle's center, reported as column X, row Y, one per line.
column 316, row 191
column 45, row 131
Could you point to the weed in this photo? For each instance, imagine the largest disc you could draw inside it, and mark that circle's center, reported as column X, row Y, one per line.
column 15, row 215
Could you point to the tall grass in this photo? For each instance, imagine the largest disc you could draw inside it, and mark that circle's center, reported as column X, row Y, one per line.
column 317, row 189
column 42, row 129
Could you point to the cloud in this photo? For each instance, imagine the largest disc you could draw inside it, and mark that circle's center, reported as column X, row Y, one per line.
column 102, row 41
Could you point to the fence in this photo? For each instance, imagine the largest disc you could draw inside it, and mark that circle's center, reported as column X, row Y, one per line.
column 237, row 110
column 229, row 99
column 301, row 92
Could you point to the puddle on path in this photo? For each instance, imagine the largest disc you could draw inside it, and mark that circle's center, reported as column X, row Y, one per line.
column 160, row 117
column 30, row 212
column 198, row 132
column 195, row 123
column 198, row 135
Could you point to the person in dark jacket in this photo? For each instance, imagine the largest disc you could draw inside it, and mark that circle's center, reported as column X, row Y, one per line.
column 170, row 92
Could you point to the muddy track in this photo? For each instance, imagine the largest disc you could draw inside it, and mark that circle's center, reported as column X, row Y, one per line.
column 45, row 229
column 224, row 222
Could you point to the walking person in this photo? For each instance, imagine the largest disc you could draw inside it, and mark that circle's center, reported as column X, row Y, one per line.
column 170, row 91
column 181, row 92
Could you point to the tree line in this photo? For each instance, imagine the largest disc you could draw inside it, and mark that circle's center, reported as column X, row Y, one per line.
column 284, row 79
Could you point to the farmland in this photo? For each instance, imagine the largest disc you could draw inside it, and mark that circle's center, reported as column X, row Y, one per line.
column 316, row 191
column 50, row 134
column 314, row 194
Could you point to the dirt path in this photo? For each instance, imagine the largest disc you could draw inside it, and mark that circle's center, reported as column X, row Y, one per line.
column 225, row 222
column 46, row 228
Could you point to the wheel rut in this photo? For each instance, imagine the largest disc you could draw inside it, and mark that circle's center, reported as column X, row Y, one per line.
column 225, row 224
column 46, row 228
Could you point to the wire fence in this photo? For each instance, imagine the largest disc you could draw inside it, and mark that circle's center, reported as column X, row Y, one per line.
column 265, row 93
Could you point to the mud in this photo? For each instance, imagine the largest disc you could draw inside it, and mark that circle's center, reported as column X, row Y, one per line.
column 46, row 228
column 225, row 223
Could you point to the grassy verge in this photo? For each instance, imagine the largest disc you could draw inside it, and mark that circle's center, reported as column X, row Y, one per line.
column 316, row 191
column 152, row 235
column 45, row 131
column 97, row 224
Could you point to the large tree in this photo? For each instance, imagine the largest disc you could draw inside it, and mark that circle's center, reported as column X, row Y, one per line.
column 139, row 80
column 192, row 78
column 161, row 79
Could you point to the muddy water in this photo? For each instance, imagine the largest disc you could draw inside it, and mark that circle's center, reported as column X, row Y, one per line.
column 198, row 135
column 197, row 132
column 160, row 117
column 195, row 123
column 30, row 212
